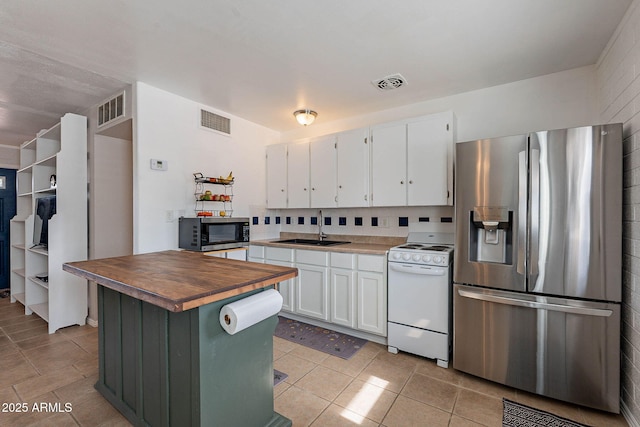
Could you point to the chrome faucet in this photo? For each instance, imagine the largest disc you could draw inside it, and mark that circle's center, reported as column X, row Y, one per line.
column 321, row 235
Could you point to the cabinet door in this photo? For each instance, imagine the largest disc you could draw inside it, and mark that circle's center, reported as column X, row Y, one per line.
column 389, row 165
column 427, row 161
column 277, row 176
column 372, row 302
column 298, row 175
column 286, row 288
column 312, row 292
column 322, row 172
column 353, row 168
column 343, row 307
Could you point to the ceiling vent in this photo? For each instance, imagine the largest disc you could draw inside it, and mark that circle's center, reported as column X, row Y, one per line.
column 216, row 122
column 393, row 81
column 111, row 110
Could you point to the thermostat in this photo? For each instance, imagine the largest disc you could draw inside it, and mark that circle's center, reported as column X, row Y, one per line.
column 159, row 165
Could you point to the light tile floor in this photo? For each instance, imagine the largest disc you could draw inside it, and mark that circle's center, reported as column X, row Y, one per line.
column 374, row 388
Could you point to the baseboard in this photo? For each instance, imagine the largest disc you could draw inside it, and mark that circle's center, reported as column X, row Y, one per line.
column 92, row 322
column 626, row 413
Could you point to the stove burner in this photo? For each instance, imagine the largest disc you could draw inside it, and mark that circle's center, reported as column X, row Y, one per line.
column 411, row 246
column 436, row 248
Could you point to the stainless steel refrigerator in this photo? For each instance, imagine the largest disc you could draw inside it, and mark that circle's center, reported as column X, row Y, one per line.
column 537, row 267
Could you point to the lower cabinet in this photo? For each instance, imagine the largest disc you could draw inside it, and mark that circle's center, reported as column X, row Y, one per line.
column 341, row 288
column 343, row 306
column 372, row 302
column 313, row 291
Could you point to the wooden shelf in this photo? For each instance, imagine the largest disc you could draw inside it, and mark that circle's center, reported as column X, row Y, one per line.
column 41, row 310
column 39, row 282
column 19, row 297
column 60, row 151
column 39, row 250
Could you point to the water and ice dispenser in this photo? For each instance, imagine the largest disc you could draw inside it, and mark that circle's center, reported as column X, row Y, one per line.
column 491, row 234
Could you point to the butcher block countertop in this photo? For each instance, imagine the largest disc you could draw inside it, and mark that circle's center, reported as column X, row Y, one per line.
column 179, row 280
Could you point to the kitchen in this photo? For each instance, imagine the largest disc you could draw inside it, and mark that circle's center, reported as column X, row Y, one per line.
column 561, row 99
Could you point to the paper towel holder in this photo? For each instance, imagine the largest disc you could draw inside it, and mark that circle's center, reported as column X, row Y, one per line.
column 227, row 319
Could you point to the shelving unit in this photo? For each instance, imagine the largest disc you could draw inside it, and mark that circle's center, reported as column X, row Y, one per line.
column 222, row 205
column 37, row 279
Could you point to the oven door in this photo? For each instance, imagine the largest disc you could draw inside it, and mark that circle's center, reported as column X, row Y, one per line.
column 419, row 296
column 419, row 311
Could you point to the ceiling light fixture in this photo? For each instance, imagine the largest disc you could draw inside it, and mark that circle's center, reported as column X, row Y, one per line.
column 305, row 117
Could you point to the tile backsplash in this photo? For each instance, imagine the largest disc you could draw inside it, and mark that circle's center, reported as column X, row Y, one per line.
column 268, row 223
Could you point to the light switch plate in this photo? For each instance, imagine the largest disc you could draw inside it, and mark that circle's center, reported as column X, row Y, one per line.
column 159, row 165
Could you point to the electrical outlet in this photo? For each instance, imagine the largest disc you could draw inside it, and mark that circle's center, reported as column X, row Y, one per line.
column 383, row 222
column 169, row 216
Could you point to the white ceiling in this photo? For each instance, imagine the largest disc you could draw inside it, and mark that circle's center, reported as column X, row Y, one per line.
column 261, row 60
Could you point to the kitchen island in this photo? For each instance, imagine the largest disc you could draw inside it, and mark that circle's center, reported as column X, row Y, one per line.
column 164, row 358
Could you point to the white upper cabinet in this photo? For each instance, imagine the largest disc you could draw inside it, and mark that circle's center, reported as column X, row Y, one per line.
column 428, row 144
column 298, row 175
column 277, row 176
column 412, row 162
column 403, row 163
column 353, row 168
column 389, row 164
column 322, row 170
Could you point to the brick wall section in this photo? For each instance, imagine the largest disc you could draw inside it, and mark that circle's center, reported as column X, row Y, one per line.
column 618, row 80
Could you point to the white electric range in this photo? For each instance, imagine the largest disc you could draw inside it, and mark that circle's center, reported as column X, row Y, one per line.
column 419, row 296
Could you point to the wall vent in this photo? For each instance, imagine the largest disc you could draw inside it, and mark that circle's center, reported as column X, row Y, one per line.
column 393, row 81
column 215, row 122
column 111, row 110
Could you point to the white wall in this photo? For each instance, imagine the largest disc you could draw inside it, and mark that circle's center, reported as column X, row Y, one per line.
column 554, row 101
column 618, row 80
column 167, row 128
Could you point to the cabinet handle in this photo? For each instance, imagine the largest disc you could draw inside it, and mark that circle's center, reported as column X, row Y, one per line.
column 410, row 182
column 282, row 189
column 339, row 186
column 402, row 182
column 313, row 189
column 305, row 189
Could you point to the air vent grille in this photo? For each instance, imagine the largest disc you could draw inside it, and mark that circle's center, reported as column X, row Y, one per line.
column 215, row 122
column 111, row 110
column 393, row 81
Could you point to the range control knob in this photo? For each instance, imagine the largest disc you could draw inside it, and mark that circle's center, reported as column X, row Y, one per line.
column 426, row 258
column 396, row 255
column 406, row 256
column 416, row 257
column 437, row 259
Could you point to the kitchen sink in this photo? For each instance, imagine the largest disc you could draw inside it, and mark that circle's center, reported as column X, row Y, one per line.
column 313, row 242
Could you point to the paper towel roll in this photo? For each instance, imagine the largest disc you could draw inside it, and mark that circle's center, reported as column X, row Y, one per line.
column 248, row 311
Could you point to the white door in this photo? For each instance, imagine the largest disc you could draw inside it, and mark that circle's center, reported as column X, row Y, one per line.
column 298, row 175
column 312, row 291
column 322, row 171
column 353, row 168
column 372, row 303
column 343, row 307
column 389, row 165
column 427, row 161
column 277, row 176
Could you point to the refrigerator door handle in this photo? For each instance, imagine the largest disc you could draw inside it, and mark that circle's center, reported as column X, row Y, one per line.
column 499, row 299
column 535, row 212
column 522, row 211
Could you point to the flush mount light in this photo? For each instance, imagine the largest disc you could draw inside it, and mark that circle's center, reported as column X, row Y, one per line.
column 305, row 117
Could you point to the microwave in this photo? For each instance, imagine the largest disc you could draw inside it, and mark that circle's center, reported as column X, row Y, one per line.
column 212, row 234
